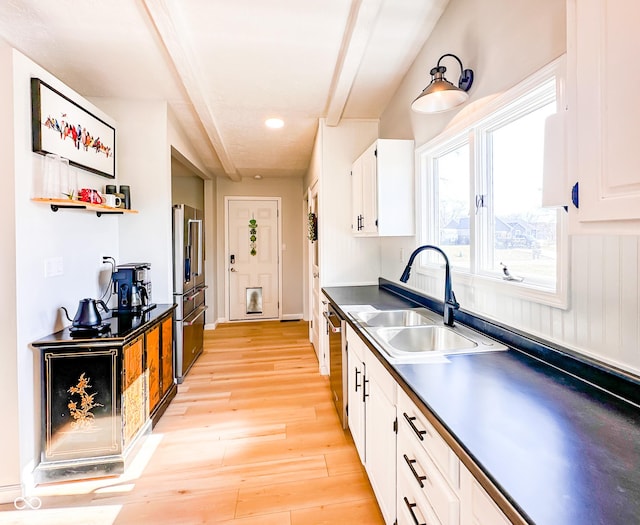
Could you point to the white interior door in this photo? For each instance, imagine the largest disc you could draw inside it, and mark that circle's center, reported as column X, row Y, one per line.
column 253, row 257
column 314, row 279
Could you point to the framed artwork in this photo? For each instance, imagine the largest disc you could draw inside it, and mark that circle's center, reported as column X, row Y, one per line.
column 61, row 126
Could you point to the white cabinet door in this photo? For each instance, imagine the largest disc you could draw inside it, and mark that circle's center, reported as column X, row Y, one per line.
column 382, row 183
column 603, row 135
column 356, row 399
column 380, row 424
column 369, row 192
column 356, row 196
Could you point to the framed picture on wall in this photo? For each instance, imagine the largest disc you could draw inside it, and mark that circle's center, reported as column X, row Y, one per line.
column 61, row 126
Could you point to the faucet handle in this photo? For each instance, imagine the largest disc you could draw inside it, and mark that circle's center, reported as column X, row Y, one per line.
column 453, row 302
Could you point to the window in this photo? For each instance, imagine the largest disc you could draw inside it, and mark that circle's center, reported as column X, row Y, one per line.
column 482, row 196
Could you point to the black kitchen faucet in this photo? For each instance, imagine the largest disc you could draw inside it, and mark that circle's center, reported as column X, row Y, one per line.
column 450, row 303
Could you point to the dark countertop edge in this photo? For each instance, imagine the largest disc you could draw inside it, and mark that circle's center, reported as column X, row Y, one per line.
column 509, row 507
column 613, row 380
column 160, row 311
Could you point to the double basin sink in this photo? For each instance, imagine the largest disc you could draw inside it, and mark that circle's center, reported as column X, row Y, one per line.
column 418, row 335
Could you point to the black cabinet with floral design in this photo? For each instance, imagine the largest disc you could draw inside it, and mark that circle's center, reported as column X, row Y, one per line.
column 95, row 394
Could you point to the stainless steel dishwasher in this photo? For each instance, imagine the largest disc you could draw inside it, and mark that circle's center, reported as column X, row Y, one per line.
column 337, row 361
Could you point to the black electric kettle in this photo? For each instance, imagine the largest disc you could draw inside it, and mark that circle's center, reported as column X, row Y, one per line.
column 88, row 315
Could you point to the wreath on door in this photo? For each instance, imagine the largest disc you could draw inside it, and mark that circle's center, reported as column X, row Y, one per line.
column 313, row 227
column 253, row 236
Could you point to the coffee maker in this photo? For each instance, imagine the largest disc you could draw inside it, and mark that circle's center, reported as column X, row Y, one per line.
column 133, row 288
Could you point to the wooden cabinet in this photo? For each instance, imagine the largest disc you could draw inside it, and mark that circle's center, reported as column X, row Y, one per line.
column 101, row 393
column 134, row 410
column 372, row 421
column 154, row 378
column 382, row 184
column 603, row 131
column 159, row 364
column 166, row 356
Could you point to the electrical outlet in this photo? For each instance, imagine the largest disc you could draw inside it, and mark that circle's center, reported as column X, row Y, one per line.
column 401, row 255
column 53, row 267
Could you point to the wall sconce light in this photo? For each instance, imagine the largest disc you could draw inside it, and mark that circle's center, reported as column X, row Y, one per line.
column 440, row 94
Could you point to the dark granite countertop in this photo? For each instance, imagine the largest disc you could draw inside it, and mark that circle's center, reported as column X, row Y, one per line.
column 121, row 327
column 561, row 450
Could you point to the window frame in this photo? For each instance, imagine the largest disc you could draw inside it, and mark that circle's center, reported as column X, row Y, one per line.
column 509, row 106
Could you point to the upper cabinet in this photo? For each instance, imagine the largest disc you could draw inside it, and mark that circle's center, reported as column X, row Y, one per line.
column 603, row 132
column 382, row 190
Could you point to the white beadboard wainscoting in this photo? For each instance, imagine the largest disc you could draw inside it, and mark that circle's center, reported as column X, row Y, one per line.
column 603, row 315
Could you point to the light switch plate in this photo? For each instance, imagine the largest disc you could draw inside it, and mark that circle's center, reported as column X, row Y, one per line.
column 53, row 267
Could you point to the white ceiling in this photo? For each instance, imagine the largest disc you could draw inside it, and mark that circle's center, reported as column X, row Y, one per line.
column 224, row 66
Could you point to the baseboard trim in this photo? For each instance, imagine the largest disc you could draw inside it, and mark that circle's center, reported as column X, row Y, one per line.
column 8, row 493
column 292, row 317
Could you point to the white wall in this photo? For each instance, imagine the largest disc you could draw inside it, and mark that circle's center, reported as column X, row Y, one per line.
column 504, row 43
column 144, row 163
column 11, row 404
column 344, row 259
column 291, row 193
column 78, row 237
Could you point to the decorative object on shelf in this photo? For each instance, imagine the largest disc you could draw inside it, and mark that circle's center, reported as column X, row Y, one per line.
column 61, row 126
column 125, row 191
column 90, row 195
column 253, row 236
column 440, row 94
column 58, row 181
column 313, row 227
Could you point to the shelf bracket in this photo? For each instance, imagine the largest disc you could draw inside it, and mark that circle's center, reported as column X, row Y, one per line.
column 56, row 207
column 101, row 213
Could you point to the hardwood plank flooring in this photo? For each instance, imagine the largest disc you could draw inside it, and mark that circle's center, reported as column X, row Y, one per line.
column 252, row 438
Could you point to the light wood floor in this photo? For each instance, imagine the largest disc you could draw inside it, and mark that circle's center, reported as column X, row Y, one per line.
column 252, row 438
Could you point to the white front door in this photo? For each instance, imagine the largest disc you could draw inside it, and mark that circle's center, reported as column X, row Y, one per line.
column 314, row 278
column 253, row 257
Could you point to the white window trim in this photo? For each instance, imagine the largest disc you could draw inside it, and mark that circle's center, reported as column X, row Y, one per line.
column 482, row 118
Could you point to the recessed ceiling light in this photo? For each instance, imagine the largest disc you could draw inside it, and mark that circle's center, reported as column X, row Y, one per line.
column 274, row 123
column 257, row 177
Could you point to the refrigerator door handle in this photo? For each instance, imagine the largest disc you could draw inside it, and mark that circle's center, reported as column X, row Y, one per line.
column 200, row 314
column 196, row 293
column 195, row 241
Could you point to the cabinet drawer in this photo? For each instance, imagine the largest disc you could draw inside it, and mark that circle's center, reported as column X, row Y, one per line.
column 411, row 419
column 483, row 509
column 424, row 476
column 412, row 505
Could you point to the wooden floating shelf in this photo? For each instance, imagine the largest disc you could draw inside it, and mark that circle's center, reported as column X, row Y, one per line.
column 99, row 209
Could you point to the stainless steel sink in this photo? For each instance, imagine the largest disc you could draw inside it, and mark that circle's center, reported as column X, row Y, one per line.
column 424, row 339
column 408, row 317
column 417, row 335
column 424, row 344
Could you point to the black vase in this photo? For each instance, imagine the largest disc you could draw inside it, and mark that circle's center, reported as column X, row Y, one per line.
column 126, row 191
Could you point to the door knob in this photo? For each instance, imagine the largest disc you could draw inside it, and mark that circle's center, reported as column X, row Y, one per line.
column 233, row 270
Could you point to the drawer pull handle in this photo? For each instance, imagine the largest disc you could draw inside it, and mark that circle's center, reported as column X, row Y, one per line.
column 413, row 514
column 418, row 477
column 410, row 420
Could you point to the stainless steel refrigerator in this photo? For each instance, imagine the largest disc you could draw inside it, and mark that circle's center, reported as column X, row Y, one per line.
column 188, row 286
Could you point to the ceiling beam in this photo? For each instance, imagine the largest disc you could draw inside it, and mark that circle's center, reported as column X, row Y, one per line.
column 166, row 22
column 360, row 25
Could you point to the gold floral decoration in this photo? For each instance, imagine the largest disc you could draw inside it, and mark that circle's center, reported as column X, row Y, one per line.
column 83, row 418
